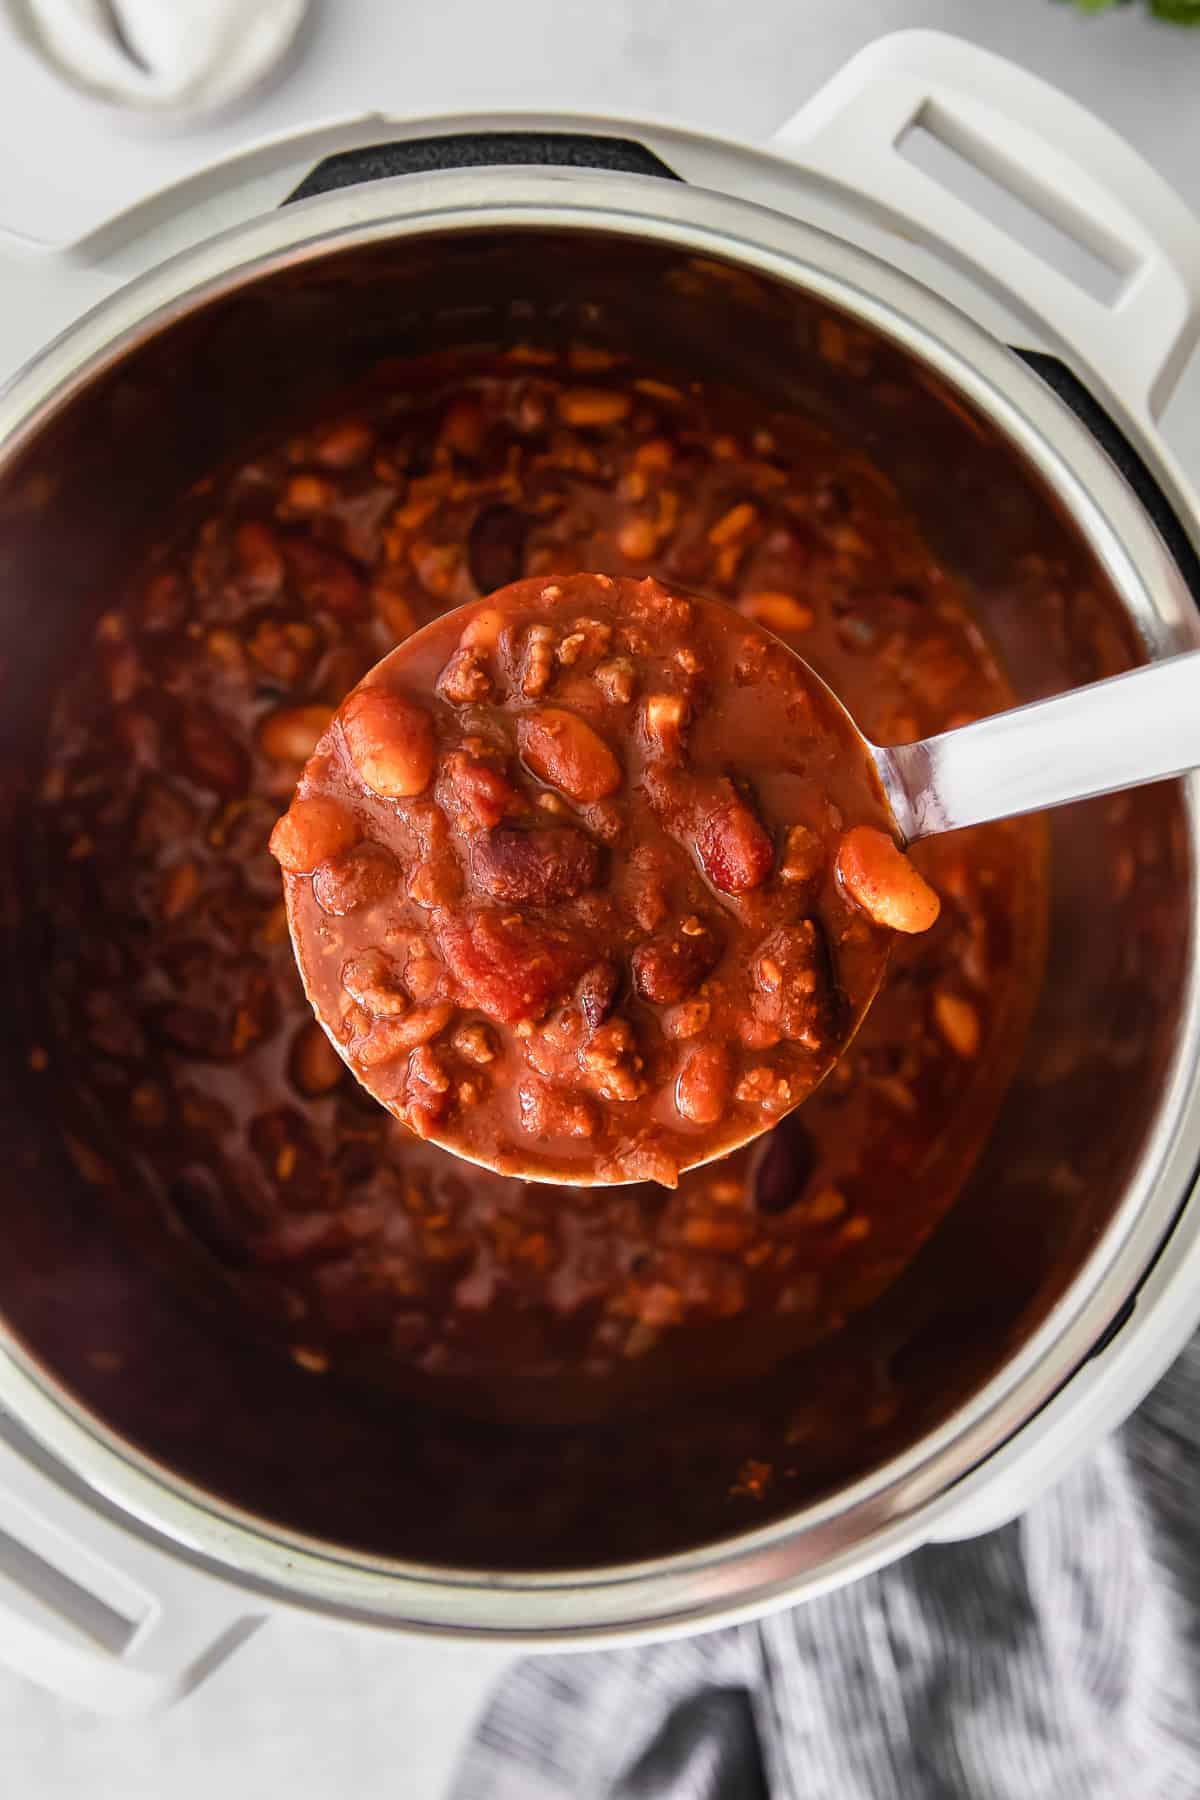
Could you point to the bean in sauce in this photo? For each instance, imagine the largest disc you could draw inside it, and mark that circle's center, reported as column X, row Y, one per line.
column 175, row 1028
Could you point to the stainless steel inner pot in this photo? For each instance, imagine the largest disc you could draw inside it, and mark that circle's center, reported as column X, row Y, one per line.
column 339, row 1492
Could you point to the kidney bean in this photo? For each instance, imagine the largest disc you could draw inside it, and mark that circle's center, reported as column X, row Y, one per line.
column 671, row 965
column 597, row 993
column 538, row 868
column 735, row 852
column 323, row 578
column 496, row 546
column 786, row 1165
column 210, row 755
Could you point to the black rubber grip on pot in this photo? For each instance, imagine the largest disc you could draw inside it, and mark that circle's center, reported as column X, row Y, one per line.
column 481, row 150
column 1112, row 439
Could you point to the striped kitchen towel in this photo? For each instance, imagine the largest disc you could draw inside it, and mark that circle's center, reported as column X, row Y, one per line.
column 1056, row 1659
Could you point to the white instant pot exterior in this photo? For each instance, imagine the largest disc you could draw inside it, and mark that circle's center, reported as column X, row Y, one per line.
column 96, row 1602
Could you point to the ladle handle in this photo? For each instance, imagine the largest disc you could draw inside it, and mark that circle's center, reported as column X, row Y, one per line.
column 1114, row 734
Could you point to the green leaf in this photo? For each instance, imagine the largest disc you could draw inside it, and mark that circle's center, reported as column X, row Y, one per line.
column 1174, row 12
column 1177, row 12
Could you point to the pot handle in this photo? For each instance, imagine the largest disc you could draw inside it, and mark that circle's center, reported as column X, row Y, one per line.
column 1048, row 152
column 46, row 287
column 93, row 1607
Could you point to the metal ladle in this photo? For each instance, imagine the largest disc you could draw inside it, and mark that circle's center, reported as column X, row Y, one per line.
column 1120, row 733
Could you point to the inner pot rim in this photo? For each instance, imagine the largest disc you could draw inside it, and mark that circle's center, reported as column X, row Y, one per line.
column 881, row 1513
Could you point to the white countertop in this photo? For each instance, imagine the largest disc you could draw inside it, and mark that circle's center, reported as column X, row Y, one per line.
column 65, row 163
column 302, row 1709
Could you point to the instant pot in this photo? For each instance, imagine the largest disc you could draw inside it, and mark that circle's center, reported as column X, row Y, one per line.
column 1068, row 1275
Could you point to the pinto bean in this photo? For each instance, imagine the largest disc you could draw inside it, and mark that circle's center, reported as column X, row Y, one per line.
column 564, row 751
column 702, row 1085
column 879, row 877
column 593, row 406
column 313, row 829
column 390, row 741
column 291, row 733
